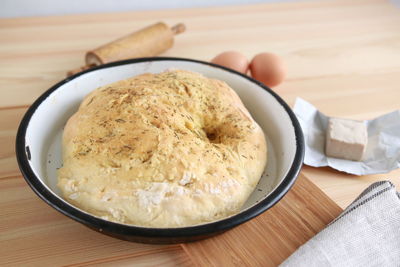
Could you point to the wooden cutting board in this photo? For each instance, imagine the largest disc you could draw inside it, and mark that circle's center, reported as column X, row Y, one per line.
column 338, row 53
column 274, row 235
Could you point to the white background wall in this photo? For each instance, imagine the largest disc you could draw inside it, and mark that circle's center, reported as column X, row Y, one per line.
column 21, row 8
column 18, row 8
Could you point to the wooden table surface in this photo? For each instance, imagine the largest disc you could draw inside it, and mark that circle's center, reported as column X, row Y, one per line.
column 342, row 56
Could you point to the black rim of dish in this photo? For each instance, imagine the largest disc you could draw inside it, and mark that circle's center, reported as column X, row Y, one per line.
column 130, row 230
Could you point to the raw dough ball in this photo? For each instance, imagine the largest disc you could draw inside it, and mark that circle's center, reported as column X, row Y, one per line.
column 162, row 150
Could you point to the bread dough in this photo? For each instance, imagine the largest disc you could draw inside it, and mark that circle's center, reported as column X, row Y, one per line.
column 162, row 150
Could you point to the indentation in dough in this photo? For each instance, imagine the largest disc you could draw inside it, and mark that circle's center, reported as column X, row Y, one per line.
column 212, row 137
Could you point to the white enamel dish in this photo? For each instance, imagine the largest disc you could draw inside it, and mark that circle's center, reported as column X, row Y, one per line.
column 38, row 144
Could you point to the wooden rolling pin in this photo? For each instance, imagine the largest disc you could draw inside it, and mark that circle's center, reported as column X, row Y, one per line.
column 147, row 42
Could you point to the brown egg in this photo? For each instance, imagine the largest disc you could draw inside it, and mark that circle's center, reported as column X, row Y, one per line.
column 268, row 68
column 233, row 60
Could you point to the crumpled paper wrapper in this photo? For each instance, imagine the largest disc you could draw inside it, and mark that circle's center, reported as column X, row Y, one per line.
column 383, row 149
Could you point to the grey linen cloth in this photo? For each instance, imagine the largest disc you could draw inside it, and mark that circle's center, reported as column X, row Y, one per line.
column 367, row 233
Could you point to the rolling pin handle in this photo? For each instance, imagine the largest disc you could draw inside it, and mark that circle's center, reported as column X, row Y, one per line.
column 178, row 28
column 72, row 72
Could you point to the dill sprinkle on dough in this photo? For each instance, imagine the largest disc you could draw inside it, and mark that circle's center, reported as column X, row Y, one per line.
column 163, row 150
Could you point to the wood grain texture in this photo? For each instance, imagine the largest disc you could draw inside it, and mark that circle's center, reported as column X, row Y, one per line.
column 167, row 256
column 344, row 188
column 316, row 39
column 302, row 213
column 342, row 56
column 32, row 233
column 9, row 121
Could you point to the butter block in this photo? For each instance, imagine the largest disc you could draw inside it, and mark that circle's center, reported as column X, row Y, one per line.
column 346, row 139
